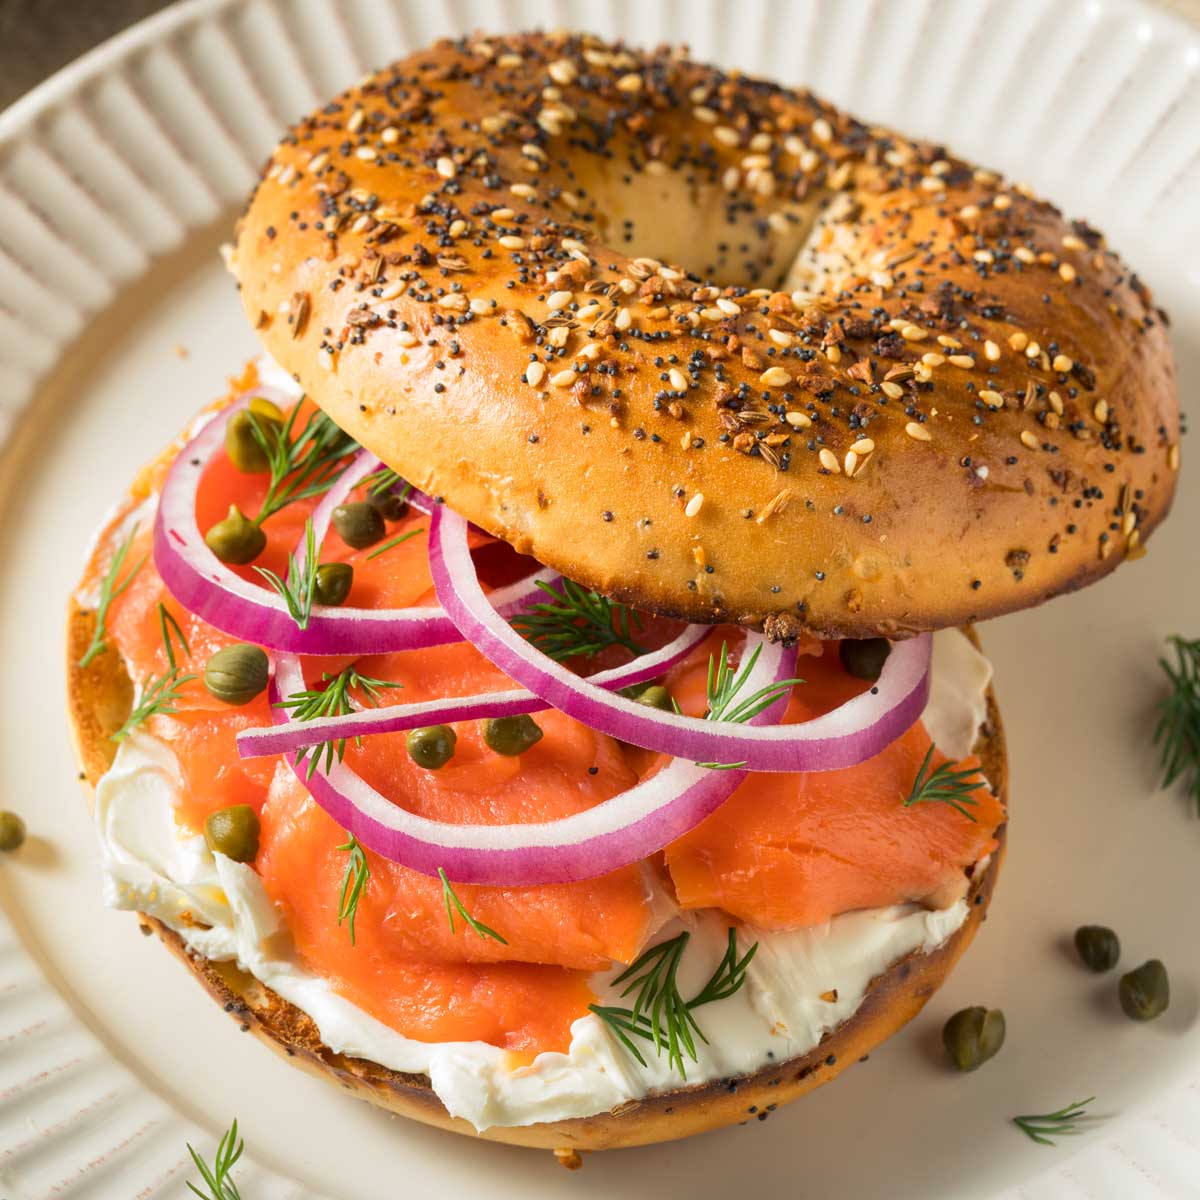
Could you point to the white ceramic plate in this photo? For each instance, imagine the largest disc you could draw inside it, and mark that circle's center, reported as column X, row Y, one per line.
column 117, row 181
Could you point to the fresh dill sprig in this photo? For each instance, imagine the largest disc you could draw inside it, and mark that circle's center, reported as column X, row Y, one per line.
column 945, row 785
column 1043, row 1128
column 110, row 589
column 577, row 621
column 659, row 1014
column 724, row 683
column 383, row 479
column 354, row 882
column 1178, row 731
column 298, row 589
column 218, row 1178
column 160, row 694
column 303, row 463
column 392, row 542
column 331, row 700
column 453, row 903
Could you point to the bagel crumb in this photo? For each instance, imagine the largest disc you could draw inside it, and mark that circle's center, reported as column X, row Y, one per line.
column 571, row 1159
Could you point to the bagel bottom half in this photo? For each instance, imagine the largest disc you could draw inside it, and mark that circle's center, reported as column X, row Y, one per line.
column 100, row 698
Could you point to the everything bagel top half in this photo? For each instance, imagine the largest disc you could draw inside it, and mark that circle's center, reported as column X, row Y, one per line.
column 710, row 345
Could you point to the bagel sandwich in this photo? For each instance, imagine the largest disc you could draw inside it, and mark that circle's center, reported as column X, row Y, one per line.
column 532, row 697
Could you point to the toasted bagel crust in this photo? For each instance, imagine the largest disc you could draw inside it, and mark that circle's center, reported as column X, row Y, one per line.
column 100, row 698
column 982, row 397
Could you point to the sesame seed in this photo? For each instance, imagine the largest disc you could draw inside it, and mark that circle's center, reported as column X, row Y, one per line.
column 367, row 153
column 918, row 432
column 1033, row 350
column 406, row 339
column 707, row 115
column 850, row 463
column 984, row 256
column 630, row 83
column 991, row 351
column 914, row 333
column 726, row 135
column 563, row 71
column 677, row 379
column 863, row 446
column 318, row 161
column 1029, row 439
column 535, row 373
column 992, row 399
column 933, row 360
column 525, row 190
column 512, row 242
column 944, row 339
column 822, row 130
column 1071, row 242
column 779, row 337
column 563, row 379
column 694, row 505
column 1062, row 363
column 446, row 167
column 480, row 307
column 325, row 359
column 1100, row 411
column 1128, row 522
column 798, row 420
column 559, row 299
column 775, row 377
column 454, row 301
column 1018, row 341
column 1173, row 456
column 356, row 121
column 392, row 290
column 623, row 319
column 892, row 390
column 1056, row 402
column 1002, row 202
column 829, row 461
column 390, row 136
column 1024, row 254
column 1066, row 272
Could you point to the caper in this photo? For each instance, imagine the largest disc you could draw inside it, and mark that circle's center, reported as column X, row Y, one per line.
column 431, row 746
column 333, row 583
column 511, row 735
column 864, row 657
column 391, row 506
column 656, row 696
column 236, row 539
column 1146, row 991
column 233, row 832
column 1098, row 946
column 973, row 1035
column 241, row 443
column 237, row 673
column 12, row 831
column 359, row 524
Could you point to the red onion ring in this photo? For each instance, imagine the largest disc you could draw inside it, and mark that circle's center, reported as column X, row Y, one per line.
column 622, row 830
column 857, row 730
column 208, row 588
column 395, row 718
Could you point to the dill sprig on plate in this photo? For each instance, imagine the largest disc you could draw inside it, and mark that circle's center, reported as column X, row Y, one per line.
column 577, row 622
column 331, row 700
column 660, row 1015
column 110, row 589
column 298, row 589
column 393, row 542
column 354, row 882
column 303, row 463
column 160, row 694
column 1178, row 731
column 217, row 1178
column 1043, row 1128
column 724, row 704
column 945, row 785
column 454, row 904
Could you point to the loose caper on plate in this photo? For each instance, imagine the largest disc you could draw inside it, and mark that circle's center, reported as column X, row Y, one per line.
column 237, row 673
column 233, row 832
column 431, row 746
column 334, row 581
column 973, row 1035
column 358, row 524
column 389, row 504
column 12, row 831
column 1145, row 992
column 656, row 696
column 236, row 539
column 1098, row 946
column 511, row 735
